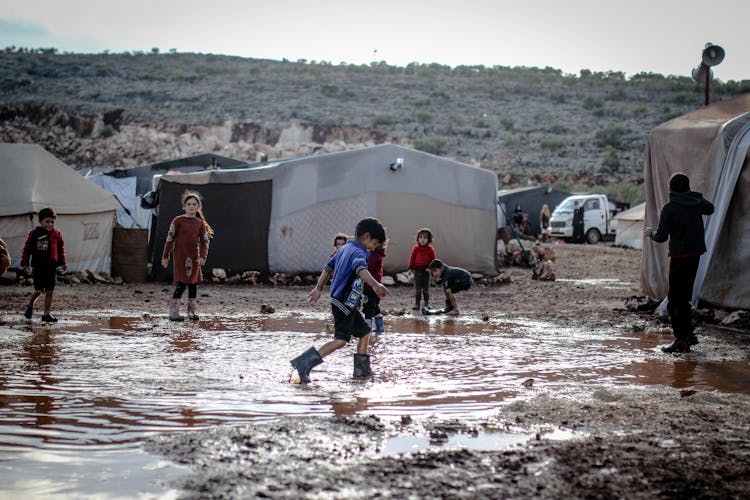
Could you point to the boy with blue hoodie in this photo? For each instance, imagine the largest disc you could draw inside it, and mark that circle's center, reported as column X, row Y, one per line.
column 349, row 268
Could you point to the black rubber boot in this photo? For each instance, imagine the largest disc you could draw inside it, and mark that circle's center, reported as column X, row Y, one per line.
column 362, row 366
column 416, row 305
column 306, row 362
column 678, row 345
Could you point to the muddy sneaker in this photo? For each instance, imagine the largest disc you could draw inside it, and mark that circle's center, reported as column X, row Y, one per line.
column 48, row 318
column 28, row 312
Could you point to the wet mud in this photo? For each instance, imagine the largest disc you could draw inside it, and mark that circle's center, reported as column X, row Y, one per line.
column 538, row 390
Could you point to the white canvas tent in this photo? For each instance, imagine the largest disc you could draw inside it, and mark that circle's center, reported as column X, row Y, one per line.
column 711, row 146
column 630, row 227
column 35, row 179
column 282, row 217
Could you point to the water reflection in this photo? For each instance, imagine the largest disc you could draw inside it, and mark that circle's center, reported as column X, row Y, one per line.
column 91, row 384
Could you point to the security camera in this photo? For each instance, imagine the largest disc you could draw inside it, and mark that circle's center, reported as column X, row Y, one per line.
column 397, row 165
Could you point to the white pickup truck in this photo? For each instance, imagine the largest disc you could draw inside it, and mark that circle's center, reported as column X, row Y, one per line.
column 598, row 219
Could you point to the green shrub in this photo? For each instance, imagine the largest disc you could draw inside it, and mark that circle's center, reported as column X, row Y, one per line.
column 433, row 145
column 387, row 119
column 592, row 103
column 611, row 161
column 456, row 119
column 551, row 144
column 557, row 97
column 556, row 128
column 507, row 123
column 423, row 117
column 512, row 143
column 482, row 123
column 611, row 135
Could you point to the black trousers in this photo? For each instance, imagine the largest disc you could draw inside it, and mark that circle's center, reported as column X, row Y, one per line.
column 180, row 288
column 682, row 272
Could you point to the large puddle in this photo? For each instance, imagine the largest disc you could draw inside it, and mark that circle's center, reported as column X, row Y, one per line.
column 78, row 398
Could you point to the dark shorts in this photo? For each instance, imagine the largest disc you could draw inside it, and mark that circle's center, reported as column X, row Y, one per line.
column 371, row 307
column 460, row 286
column 44, row 278
column 345, row 326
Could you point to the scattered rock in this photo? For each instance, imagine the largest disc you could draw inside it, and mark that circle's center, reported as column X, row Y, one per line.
column 267, row 309
column 737, row 319
column 641, row 304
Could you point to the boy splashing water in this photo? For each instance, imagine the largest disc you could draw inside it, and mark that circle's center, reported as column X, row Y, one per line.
column 350, row 274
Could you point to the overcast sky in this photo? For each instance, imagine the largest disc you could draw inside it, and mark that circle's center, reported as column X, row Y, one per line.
column 632, row 36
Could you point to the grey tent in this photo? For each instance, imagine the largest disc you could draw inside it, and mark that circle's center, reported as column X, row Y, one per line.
column 711, row 146
column 531, row 200
column 282, row 217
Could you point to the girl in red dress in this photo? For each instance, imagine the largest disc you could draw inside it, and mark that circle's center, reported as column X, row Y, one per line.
column 187, row 239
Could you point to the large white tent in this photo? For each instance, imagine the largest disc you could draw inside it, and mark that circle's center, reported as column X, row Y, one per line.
column 712, row 146
column 282, row 217
column 35, row 179
column 630, row 227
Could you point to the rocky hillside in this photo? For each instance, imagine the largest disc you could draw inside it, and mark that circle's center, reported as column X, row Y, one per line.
column 123, row 110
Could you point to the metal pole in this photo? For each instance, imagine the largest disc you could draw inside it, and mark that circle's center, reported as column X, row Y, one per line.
column 708, row 83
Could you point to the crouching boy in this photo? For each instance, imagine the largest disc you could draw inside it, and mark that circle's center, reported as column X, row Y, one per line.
column 453, row 280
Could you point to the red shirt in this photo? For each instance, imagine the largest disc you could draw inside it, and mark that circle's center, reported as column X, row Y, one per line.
column 375, row 263
column 421, row 256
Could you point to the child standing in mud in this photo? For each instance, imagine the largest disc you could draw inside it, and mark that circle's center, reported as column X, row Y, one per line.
column 422, row 253
column 339, row 240
column 44, row 251
column 187, row 240
column 681, row 221
column 371, row 307
column 350, row 274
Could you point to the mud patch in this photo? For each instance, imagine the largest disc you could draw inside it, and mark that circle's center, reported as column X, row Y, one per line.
column 618, row 443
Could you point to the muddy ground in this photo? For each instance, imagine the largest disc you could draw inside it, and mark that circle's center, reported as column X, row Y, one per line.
column 651, row 441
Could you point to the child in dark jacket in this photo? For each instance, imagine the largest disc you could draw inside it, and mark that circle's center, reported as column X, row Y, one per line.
column 422, row 253
column 681, row 221
column 453, row 280
column 44, row 251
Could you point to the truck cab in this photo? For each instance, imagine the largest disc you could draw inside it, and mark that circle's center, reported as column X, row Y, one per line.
column 598, row 219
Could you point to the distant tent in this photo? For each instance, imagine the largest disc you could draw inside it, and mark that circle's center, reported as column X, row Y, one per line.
column 710, row 145
column 531, row 200
column 35, row 179
column 130, row 184
column 282, row 217
column 630, row 227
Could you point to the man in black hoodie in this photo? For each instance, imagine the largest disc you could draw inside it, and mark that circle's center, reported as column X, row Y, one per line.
column 681, row 221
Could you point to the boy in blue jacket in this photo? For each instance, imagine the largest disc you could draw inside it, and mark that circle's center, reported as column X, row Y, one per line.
column 349, row 268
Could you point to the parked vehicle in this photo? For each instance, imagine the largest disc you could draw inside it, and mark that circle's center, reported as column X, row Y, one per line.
column 598, row 218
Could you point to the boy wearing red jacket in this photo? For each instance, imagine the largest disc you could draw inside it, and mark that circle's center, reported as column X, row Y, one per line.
column 44, row 251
